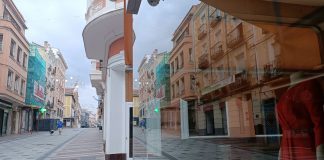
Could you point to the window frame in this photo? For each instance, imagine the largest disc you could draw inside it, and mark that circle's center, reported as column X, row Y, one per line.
column 12, row 48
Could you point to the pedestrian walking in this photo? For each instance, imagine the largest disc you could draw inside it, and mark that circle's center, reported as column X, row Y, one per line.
column 60, row 126
column 143, row 125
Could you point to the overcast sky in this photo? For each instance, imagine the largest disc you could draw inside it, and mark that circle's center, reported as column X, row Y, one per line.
column 60, row 22
column 154, row 27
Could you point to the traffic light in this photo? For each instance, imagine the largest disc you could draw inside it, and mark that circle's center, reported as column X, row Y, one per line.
column 42, row 110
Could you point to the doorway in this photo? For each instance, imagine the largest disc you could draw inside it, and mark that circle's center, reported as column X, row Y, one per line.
column 4, row 120
column 271, row 124
column 1, row 120
column 192, row 118
column 210, row 122
column 224, row 117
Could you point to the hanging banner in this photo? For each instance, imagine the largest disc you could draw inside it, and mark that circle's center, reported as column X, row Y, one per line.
column 38, row 91
column 160, row 93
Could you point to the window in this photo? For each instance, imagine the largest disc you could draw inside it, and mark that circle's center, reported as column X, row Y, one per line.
column 25, row 60
column 1, row 42
column 19, row 55
column 22, row 87
column 173, row 92
column 172, row 68
column 220, row 72
column 10, row 79
column 9, row 17
column 192, row 82
column 177, row 64
column 177, row 89
column 181, row 60
column 17, row 80
column 240, row 64
column 12, row 48
column 206, row 79
column 182, row 86
column 191, row 58
column 202, row 19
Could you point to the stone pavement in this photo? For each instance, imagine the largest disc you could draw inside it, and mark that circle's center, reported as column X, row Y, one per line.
column 42, row 145
column 88, row 145
column 194, row 149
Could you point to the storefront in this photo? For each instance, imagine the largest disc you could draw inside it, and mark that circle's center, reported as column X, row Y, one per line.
column 26, row 119
column 5, row 109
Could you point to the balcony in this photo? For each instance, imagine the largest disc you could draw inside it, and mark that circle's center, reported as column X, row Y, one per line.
column 271, row 70
column 203, row 62
column 235, row 36
column 217, row 51
column 240, row 81
column 99, row 32
column 214, row 18
column 202, row 32
column 97, row 81
column 184, row 37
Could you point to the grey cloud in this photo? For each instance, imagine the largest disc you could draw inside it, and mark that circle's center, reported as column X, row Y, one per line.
column 61, row 23
column 154, row 26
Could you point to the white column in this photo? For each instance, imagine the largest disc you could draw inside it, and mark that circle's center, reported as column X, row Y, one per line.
column 115, row 110
column 105, row 114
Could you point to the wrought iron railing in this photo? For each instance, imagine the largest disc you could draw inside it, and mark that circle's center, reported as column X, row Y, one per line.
column 235, row 36
column 203, row 61
column 217, row 51
column 202, row 32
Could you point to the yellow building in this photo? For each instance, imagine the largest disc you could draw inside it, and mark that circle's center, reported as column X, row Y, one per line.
column 136, row 105
column 72, row 109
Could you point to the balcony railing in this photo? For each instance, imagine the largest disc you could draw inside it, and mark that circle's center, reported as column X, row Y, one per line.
column 217, row 51
column 202, row 31
column 181, row 37
column 240, row 81
column 271, row 70
column 203, row 61
column 11, row 20
column 235, row 36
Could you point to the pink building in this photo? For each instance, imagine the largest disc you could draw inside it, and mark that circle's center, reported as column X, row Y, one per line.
column 14, row 52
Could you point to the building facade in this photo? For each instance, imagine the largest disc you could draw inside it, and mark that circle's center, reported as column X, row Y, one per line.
column 72, row 109
column 36, row 83
column 182, row 71
column 55, row 80
column 147, row 80
column 14, row 53
column 136, row 105
column 105, row 42
column 240, row 71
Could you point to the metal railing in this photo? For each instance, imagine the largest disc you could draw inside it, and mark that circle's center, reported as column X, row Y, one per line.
column 203, row 61
column 235, row 36
column 217, row 51
column 202, row 32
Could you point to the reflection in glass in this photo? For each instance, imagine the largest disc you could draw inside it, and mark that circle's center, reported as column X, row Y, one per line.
column 230, row 92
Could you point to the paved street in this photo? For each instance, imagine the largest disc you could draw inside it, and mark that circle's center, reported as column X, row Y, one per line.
column 193, row 149
column 76, row 144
